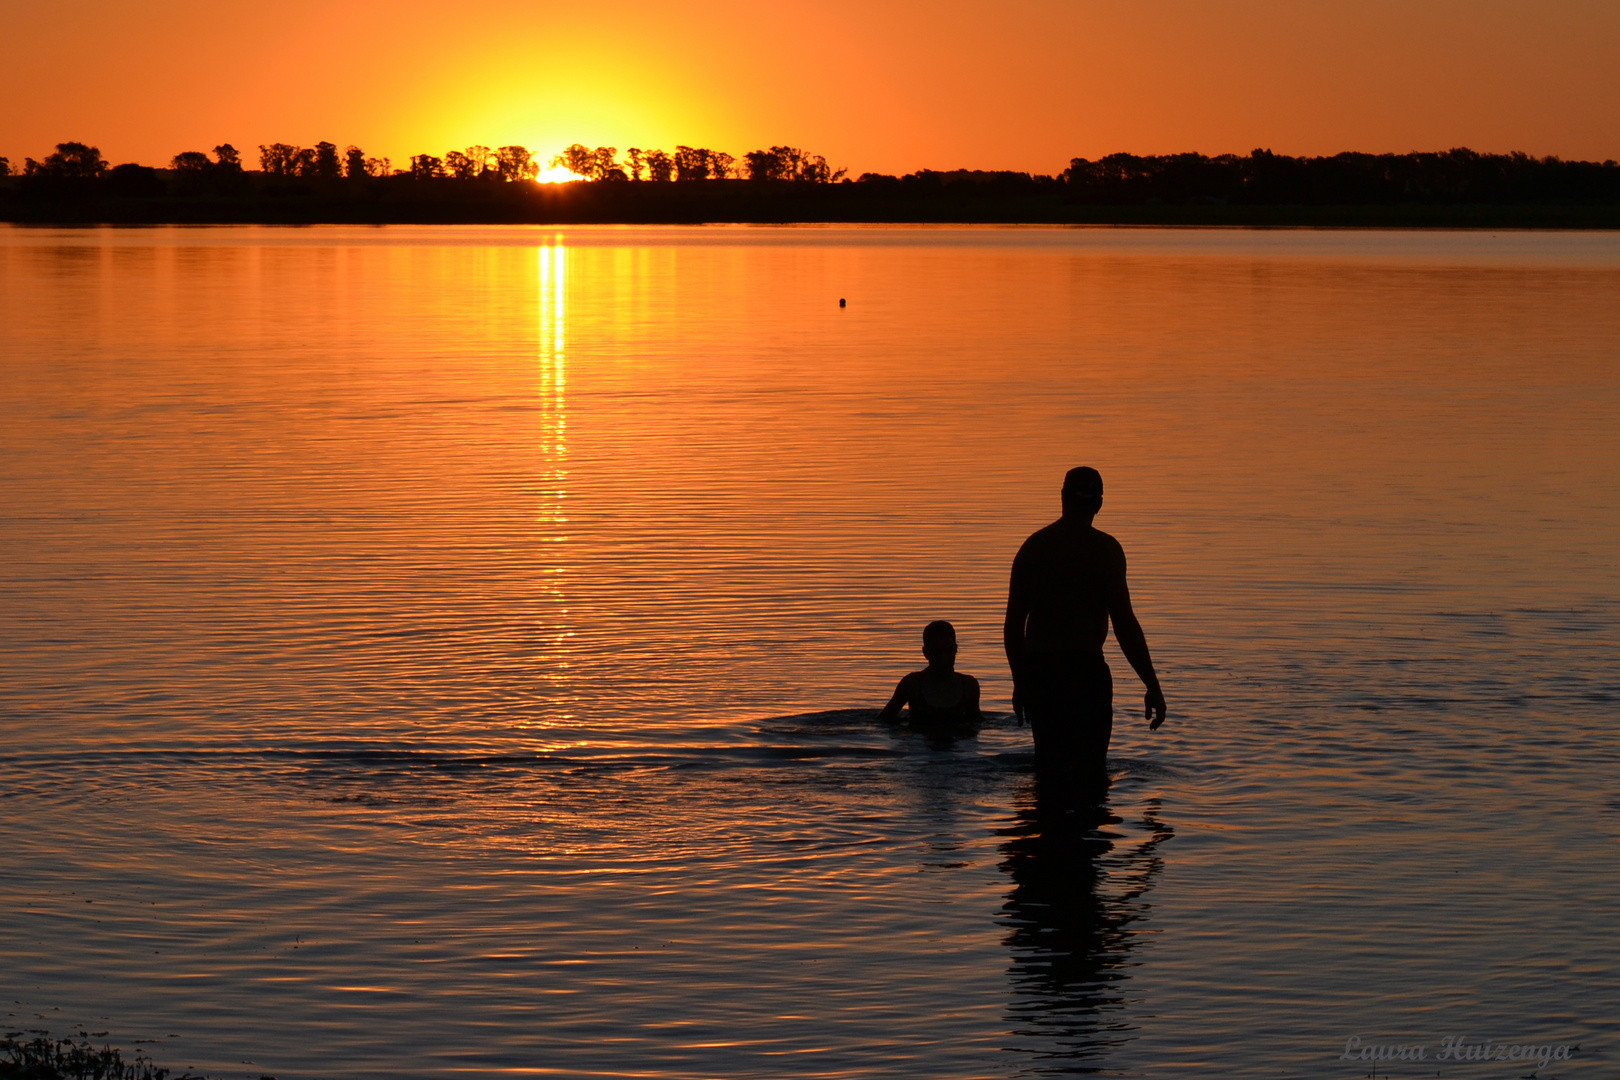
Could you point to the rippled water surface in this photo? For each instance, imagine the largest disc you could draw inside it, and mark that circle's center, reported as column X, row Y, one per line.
column 455, row 651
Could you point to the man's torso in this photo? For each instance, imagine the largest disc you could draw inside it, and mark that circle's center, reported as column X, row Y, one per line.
column 1063, row 575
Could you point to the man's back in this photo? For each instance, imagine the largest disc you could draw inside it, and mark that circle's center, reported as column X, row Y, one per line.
column 1063, row 578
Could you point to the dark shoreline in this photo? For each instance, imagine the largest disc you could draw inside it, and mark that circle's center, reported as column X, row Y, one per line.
column 258, row 200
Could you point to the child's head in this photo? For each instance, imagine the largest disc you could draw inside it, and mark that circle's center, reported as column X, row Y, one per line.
column 939, row 642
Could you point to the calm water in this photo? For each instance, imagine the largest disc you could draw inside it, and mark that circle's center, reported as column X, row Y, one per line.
column 455, row 651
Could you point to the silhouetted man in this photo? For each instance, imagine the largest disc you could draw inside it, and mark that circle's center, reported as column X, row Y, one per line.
column 1068, row 581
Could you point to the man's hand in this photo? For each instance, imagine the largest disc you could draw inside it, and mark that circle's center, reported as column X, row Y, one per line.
column 1018, row 705
column 1154, row 701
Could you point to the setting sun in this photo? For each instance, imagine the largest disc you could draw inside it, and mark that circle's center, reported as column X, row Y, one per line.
column 557, row 174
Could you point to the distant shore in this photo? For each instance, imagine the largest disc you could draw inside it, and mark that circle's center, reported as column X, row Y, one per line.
column 1455, row 188
column 270, row 200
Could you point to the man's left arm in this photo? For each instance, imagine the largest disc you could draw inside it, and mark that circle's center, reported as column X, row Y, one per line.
column 1132, row 641
column 1012, row 632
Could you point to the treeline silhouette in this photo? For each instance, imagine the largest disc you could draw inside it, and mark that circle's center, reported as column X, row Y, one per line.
column 1264, row 178
column 786, row 183
column 78, row 161
column 696, row 163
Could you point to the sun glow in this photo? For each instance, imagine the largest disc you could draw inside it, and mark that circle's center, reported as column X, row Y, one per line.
column 557, row 174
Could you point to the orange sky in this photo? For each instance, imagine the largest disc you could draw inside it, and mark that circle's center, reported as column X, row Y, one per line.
column 885, row 85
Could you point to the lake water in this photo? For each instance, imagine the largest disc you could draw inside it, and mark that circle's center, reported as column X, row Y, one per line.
column 455, row 651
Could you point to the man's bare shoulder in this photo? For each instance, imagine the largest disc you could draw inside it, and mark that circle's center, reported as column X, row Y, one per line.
column 1060, row 544
column 1043, row 539
column 1107, row 542
column 1059, row 536
column 1110, row 552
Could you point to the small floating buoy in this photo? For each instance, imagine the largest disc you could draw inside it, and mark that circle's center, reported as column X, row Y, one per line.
column 840, row 301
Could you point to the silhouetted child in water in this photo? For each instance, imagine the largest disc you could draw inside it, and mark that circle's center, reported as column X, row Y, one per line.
column 938, row 695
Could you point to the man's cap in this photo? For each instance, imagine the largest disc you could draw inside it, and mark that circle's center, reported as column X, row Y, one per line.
column 1084, row 482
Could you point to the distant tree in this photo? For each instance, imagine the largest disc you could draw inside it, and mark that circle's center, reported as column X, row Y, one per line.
column 304, row 163
column 279, row 159
column 226, row 157
column 578, row 159
column 72, row 160
column 516, row 163
column 459, row 165
column 354, row 162
column 426, row 167
column 691, row 163
column 191, row 161
column 790, row 163
column 483, row 159
column 598, row 164
column 379, row 166
column 604, row 166
column 700, row 163
column 660, row 166
column 633, row 155
column 325, row 164
column 816, row 170
column 5, row 166
column 763, row 164
column 135, row 181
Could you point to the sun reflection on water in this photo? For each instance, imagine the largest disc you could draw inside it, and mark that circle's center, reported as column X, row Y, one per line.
column 552, row 468
column 551, row 335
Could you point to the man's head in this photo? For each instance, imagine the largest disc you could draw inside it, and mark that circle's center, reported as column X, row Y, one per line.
column 939, row 642
column 1082, row 493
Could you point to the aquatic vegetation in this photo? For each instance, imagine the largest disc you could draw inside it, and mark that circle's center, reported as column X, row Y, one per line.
column 45, row 1058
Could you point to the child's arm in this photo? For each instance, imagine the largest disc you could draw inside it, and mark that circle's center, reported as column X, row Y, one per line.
column 970, row 692
column 902, row 694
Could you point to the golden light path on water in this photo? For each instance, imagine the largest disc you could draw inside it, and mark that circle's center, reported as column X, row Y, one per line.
column 552, row 395
column 455, row 651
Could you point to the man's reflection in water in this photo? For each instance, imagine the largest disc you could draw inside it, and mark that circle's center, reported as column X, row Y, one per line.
column 1078, row 884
